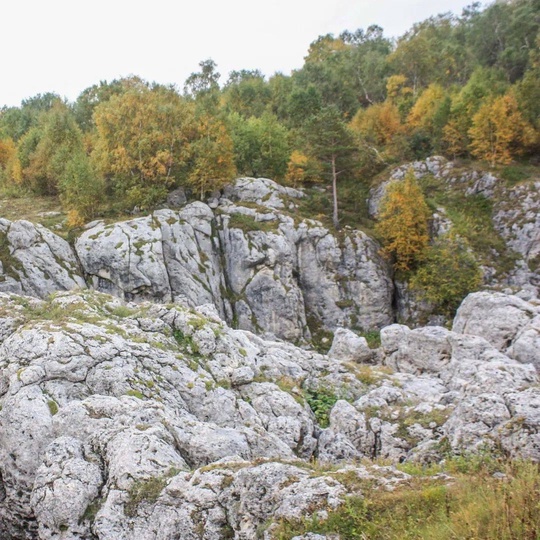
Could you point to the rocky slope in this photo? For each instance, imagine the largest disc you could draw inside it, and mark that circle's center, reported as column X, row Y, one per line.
column 248, row 254
column 264, row 267
column 158, row 421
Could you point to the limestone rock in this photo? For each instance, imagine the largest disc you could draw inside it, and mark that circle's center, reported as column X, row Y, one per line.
column 509, row 323
column 35, row 261
column 349, row 347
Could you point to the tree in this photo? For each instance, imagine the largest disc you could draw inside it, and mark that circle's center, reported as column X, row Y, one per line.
column 82, row 189
column 378, row 124
column 332, row 145
column 448, row 274
column 499, row 132
column 247, row 93
column 10, row 166
column 45, row 149
column 260, row 145
column 143, row 139
column 301, row 169
column 403, row 223
column 212, row 154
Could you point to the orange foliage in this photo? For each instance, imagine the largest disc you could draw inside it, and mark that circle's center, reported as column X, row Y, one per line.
column 403, row 223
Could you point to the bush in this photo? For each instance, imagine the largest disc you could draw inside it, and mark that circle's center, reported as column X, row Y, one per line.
column 448, row 273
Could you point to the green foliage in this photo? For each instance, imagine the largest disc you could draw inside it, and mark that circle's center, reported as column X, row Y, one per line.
column 448, row 273
column 82, row 189
column 471, row 220
column 331, row 143
column 321, row 400
column 46, row 148
column 260, row 146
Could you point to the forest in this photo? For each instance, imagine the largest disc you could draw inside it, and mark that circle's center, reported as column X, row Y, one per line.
column 465, row 87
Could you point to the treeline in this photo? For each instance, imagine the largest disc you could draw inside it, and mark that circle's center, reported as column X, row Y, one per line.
column 459, row 86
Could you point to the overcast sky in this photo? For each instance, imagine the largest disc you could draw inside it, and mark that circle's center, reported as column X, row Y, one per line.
column 65, row 46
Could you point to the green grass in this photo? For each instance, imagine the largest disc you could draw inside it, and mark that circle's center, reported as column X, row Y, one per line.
column 248, row 223
column 474, row 506
column 144, row 491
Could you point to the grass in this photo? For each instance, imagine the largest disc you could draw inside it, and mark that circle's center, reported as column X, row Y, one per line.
column 144, row 491
column 472, row 219
column 475, row 506
column 33, row 208
column 352, row 205
column 248, row 223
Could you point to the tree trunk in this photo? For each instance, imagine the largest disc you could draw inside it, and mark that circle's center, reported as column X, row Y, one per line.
column 334, row 193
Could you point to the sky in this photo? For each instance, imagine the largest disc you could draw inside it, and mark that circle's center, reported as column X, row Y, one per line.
column 65, row 46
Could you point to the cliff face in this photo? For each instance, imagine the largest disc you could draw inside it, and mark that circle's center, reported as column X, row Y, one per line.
column 267, row 269
column 262, row 267
column 155, row 421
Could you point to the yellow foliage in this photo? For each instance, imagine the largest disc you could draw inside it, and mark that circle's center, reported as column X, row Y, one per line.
column 379, row 123
column 396, row 87
column 10, row 165
column 455, row 138
column 213, row 153
column 423, row 111
column 74, row 219
column 403, row 223
column 499, row 131
column 143, row 138
column 296, row 168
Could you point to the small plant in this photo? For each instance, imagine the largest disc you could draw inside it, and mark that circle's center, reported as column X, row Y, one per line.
column 53, row 406
column 321, row 401
column 144, row 491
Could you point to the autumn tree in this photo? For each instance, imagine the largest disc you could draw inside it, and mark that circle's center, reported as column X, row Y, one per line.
column 143, row 139
column 403, row 223
column 212, row 156
column 378, row 124
column 332, row 145
column 499, row 131
column 10, row 165
column 301, row 169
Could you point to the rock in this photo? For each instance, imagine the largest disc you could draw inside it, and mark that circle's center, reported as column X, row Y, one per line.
column 517, row 219
column 177, row 198
column 262, row 191
column 343, row 285
column 35, row 261
column 349, row 347
column 116, row 418
column 509, row 323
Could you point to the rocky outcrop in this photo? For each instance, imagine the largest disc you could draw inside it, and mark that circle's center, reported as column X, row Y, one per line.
column 117, row 417
column 34, row 261
column 470, row 181
column 517, row 219
column 263, row 269
column 509, row 323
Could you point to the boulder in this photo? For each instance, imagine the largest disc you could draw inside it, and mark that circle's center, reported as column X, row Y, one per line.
column 36, row 262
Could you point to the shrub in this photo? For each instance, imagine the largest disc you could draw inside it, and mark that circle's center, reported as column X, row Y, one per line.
column 448, row 273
